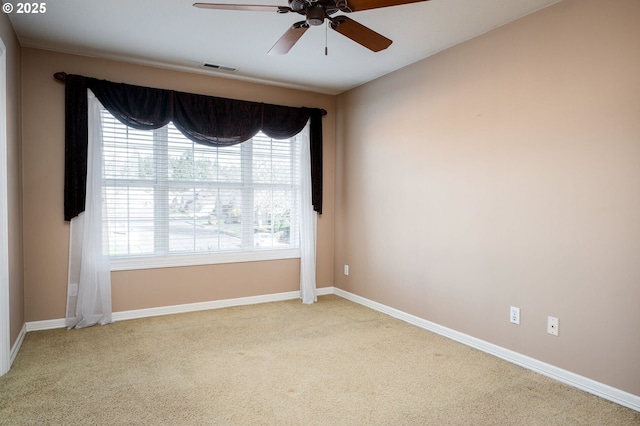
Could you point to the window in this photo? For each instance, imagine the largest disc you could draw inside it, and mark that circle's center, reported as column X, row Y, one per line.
column 169, row 201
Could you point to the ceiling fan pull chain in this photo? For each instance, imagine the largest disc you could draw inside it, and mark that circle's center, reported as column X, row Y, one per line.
column 326, row 38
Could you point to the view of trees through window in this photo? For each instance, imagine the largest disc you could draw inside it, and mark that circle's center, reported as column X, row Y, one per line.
column 165, row 194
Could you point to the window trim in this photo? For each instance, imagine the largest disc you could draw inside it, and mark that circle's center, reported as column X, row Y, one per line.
column 198, row 259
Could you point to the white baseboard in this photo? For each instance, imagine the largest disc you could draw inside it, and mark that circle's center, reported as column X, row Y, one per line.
column 178, row 309
column 45, row 324
column 588, row 385
column 17, row 344
column 214, row 304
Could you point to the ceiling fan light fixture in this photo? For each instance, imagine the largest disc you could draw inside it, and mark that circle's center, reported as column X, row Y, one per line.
column 316, row 15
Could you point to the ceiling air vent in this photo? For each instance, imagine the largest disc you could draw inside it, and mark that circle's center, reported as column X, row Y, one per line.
column 219, row 67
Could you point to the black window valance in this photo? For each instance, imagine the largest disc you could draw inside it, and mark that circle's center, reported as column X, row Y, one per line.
column 204, row 119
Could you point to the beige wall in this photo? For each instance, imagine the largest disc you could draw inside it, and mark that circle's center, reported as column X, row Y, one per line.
column 46, row 234
column 14, row 178
column 506, row 171
column 514, row 158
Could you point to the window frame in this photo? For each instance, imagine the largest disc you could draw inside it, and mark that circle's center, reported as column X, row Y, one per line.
column 163, row 258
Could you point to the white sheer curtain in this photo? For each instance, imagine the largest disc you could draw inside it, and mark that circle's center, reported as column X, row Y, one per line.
column 89, row 279
column 308, row 226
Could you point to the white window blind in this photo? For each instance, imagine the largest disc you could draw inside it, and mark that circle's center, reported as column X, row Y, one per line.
column 170, row 202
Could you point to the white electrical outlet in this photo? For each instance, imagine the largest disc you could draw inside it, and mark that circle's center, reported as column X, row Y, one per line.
column 514, row 315
column 346, row 270
column 552, row 325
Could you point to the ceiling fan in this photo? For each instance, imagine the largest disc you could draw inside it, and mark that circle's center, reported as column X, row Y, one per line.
column 315, row 12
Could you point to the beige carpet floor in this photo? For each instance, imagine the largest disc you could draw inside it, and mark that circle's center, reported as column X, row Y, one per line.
column 283, row 363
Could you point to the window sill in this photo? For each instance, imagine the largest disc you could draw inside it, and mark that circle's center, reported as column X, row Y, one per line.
column 154, row 262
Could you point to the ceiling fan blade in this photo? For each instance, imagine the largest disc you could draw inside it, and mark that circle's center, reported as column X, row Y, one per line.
column 248, row 7
column 289, row 38
column 360, row 34
column 358, row 5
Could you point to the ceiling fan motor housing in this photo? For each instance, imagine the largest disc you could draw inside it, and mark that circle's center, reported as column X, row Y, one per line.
column 343, row 6
column 298, row 5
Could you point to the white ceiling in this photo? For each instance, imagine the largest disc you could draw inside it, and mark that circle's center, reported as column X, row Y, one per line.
column 173, row 34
